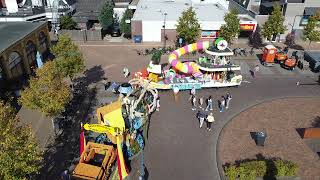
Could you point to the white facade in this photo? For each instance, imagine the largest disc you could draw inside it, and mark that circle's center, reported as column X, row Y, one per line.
column 151, row 31
column 153, row 14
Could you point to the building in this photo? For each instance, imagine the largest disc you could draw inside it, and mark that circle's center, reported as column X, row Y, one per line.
column 33, row 10
column 296, row 12
column 20, row 42
column 87, row 12
column 156, row 19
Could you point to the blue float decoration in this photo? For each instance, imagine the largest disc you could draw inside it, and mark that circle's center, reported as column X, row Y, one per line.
column 137, row 123
column 140, row 141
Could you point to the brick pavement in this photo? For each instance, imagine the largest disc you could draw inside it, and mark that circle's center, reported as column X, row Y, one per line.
column 280, row 119
column 177, row 148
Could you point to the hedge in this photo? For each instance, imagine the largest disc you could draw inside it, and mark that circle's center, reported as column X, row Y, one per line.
column 250, row 170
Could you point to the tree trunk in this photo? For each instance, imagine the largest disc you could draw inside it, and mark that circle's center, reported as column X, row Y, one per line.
column 309, row 44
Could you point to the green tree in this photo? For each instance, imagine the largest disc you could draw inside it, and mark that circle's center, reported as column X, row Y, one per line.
column 69, row 60
column 188, row 26
column 105, row 16
column 274, row 24
column 66, row 22
column 156, row 57
column 19, row 152
column 46, row 92
column 231, row 29
column 126, row 27
column 310, row 30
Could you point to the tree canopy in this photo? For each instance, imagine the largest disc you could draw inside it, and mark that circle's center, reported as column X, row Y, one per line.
column 105, row 16
column 19, row 151
column 232, row 27
column 156, row 57
column 274, row 24
column 69, row 60
column 310, row 30
column 188, row 26
column 66, row 22
column 46, row 92
column 126, row 27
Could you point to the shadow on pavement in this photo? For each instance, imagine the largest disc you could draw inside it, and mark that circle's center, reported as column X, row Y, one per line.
column 63, row 151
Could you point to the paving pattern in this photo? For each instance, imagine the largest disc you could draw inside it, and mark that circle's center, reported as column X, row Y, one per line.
column 280, row 119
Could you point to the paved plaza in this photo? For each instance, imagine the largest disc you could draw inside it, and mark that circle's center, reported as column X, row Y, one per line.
column 176, row 148
column 281, row 119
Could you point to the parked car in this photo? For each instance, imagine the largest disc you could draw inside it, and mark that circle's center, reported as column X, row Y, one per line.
column 115, row 31
column 313, row 57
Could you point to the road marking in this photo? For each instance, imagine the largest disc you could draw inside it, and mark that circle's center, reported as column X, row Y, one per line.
column 108, row 66
column 246, row 81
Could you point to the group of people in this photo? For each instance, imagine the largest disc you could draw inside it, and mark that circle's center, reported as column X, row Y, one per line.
column 223, row 104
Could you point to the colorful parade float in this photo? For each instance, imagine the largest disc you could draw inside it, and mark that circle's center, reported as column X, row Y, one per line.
column 119, row 134
column 214, row 69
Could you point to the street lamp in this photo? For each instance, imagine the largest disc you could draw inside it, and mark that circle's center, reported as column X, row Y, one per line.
column 164, row 30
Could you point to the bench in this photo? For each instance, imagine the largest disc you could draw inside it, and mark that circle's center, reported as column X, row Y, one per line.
column 311, row 133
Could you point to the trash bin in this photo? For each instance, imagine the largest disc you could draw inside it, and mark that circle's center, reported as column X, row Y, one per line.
column 137, row 38
column 260, row 138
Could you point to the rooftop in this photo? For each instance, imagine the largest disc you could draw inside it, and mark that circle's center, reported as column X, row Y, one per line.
column 12, row 32
column 154, row 10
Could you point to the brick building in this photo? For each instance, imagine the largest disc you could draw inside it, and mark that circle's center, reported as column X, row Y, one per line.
column 20, row 42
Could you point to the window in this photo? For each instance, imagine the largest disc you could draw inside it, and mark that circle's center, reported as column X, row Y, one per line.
column 31, row 53
column 43, row 40
column 15, row 65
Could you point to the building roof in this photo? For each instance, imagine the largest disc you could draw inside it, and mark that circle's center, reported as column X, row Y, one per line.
column 148, row 10
column 12, row 32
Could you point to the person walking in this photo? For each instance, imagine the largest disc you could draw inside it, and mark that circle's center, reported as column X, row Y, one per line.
column 256, row 69
column 126, row 72
column 228, row 99
column 201, row 116
column 193, row 102
column 209, row 104
column 222, row 104
column 193, row 91
column 201, row 102
column 210, row 120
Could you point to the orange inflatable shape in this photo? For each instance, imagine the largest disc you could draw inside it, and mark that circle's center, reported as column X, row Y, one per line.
column 89, row 168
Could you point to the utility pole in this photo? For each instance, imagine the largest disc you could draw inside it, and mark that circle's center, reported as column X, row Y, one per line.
column 164, row 30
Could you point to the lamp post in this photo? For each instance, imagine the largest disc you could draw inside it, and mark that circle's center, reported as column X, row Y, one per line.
column 164, row 30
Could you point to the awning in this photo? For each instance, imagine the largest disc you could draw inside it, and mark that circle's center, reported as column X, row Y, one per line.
column 309, row 11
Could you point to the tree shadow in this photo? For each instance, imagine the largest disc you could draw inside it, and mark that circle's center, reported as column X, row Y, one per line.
column 300, row 131
column 62, row 152
column 316, row 122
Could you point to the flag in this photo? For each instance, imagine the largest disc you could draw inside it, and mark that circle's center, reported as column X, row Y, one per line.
column 82, row 140
column 122, row 169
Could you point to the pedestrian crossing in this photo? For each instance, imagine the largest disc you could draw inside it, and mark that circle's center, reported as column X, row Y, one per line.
column 277, row 70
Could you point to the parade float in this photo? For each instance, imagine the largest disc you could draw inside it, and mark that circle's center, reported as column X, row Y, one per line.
column 120, row 125
column 213, row 69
